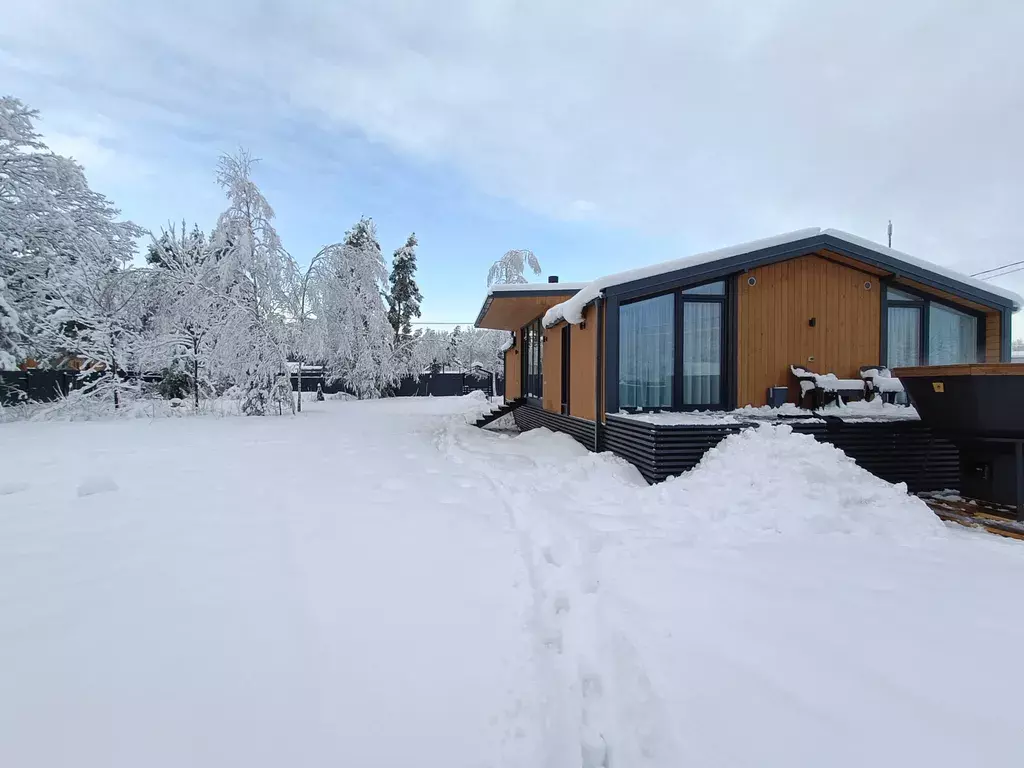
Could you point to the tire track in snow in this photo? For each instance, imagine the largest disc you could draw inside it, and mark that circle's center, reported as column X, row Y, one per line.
column 590, row 674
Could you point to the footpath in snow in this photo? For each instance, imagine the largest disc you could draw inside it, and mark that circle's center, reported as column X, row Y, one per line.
column 380, row 584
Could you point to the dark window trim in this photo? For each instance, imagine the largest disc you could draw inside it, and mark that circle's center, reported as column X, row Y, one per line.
column 922, row 300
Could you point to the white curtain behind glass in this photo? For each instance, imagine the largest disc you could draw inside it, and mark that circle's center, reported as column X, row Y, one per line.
column 702, row 353
column 952, row 336
column 904, row 336
column 645, row 353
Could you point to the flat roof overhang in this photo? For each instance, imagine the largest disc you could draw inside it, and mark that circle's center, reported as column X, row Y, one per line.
column 509, row 310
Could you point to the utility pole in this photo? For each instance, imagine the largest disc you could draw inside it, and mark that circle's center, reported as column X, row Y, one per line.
column 890, row 233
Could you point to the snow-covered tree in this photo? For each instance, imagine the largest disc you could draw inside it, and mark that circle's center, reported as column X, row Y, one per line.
column 189, row 309
column 309, row 337
column 50, row 220
column 169, row 240
column 481, row 347
column 511, row 268
column 404, row 296
column 361, row 340
column 428, row 350
column 451, row 355
column 255, row 272
column 96, row 315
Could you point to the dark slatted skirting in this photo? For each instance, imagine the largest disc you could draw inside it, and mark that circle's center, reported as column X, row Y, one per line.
column 900, row 452
column 894, row 451
column 531, row 417
column 661, row 451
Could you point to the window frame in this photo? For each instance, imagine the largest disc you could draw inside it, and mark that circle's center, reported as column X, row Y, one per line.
column 535, row 329
column 726, row 299
column 923, row 301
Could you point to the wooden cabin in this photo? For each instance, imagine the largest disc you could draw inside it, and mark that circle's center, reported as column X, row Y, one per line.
column 717, row 330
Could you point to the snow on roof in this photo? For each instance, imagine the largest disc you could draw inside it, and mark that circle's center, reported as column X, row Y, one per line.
column 571, row 310
column 981, row 285
column 534, row 287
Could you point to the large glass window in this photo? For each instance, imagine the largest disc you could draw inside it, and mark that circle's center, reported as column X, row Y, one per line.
column 952, row 336
column 702, row 353
column 646, row 361
column 923, row 331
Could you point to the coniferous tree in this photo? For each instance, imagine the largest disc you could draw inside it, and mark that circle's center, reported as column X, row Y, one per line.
column 404, row 297
column 193, row 242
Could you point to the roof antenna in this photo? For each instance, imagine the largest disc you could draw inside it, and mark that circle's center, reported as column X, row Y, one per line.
column 890, row 233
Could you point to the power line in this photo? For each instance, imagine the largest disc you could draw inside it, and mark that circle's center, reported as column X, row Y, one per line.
column 996, row 269
column 1007, row 272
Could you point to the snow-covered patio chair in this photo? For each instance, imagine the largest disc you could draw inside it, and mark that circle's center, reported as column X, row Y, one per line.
column 880, row 382
column 825, row 388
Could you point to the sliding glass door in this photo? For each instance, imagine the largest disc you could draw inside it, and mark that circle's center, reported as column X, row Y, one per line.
column 646, row 346
column 702, row 353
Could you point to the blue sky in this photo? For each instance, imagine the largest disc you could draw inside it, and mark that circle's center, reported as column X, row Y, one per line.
column 602, row 136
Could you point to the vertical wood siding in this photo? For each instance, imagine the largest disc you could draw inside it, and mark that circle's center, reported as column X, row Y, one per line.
column 993, row 337
column 514, row 370
column 582, row 359
column 774, row 330
column 552, row 372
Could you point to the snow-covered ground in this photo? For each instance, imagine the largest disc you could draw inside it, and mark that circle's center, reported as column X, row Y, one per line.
column 379, row 584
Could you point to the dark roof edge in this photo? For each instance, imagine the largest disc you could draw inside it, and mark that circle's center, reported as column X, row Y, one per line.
column 921, row 274
column 711, row 270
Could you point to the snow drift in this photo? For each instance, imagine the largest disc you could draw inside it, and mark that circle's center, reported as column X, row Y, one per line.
column 771, row 480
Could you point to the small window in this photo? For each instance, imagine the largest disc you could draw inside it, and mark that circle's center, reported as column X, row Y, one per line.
column 708, row 289
column 892, row 294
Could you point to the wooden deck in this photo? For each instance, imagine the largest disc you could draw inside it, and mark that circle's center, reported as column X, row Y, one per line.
column 994, row 518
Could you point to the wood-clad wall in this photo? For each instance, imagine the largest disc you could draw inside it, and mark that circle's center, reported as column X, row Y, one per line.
column 774, row 328
column 582, row 361
column 993, row 337
column 552, row 362
column 514, row 369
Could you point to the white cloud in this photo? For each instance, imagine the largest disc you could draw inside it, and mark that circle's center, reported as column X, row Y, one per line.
column 85, row 149
column 714, row 121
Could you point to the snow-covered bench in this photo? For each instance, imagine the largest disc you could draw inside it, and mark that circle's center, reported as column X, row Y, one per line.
column 824, row 388
column 881, row 382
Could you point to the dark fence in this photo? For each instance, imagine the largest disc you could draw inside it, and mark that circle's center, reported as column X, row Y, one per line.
column 45, row 385
column 896, row 451
column 311, row 381
column 448, row 385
